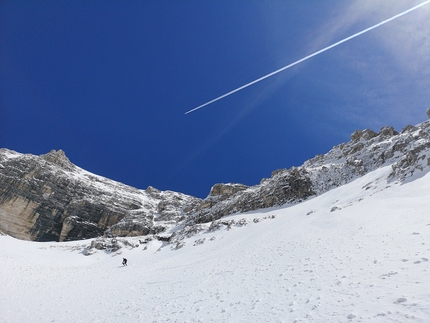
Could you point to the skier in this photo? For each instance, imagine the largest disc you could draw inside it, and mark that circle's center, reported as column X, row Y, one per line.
column 124, row 262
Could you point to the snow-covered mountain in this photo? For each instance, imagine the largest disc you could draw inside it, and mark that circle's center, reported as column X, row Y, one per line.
column 343, row 238
column 47, row 198
column 406, row 152
column 356, row 253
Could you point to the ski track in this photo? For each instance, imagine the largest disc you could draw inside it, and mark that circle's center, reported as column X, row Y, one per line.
column 354, row 254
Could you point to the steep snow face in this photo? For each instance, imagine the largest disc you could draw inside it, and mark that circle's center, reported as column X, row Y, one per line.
column 357, row 253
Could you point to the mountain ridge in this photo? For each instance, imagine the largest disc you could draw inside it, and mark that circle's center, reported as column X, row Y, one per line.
column 48, row 198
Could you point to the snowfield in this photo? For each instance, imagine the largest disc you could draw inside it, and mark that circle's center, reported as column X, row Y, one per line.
column 358, row 253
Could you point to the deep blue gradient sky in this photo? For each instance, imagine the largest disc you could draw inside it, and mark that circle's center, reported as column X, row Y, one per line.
column 109, row 82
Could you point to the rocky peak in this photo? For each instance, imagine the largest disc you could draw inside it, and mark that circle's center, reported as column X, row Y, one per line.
column 152, row 191
column 387, row 132
column 363, row 134
column 59, row 158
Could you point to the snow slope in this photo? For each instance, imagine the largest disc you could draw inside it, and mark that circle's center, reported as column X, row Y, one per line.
column 358, row 253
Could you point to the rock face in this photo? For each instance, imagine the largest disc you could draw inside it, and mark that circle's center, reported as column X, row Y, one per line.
column 285, row 186
column 48, row 198
column 226, row 190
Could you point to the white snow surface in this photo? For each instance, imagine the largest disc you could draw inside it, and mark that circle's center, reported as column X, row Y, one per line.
column 358, row 253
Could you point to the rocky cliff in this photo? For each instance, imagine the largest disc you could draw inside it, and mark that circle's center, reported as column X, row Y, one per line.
column 48, row 198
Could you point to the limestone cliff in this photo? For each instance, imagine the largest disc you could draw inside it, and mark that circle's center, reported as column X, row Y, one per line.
column 47, row 198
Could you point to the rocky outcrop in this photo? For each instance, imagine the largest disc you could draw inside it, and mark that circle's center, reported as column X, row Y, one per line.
column 284, row 187
column 226, row 190
column 58, row 157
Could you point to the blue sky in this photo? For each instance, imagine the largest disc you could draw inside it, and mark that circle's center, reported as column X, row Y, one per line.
column 109, row 83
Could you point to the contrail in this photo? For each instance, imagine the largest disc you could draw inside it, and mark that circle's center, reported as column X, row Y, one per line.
column 309, row 56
